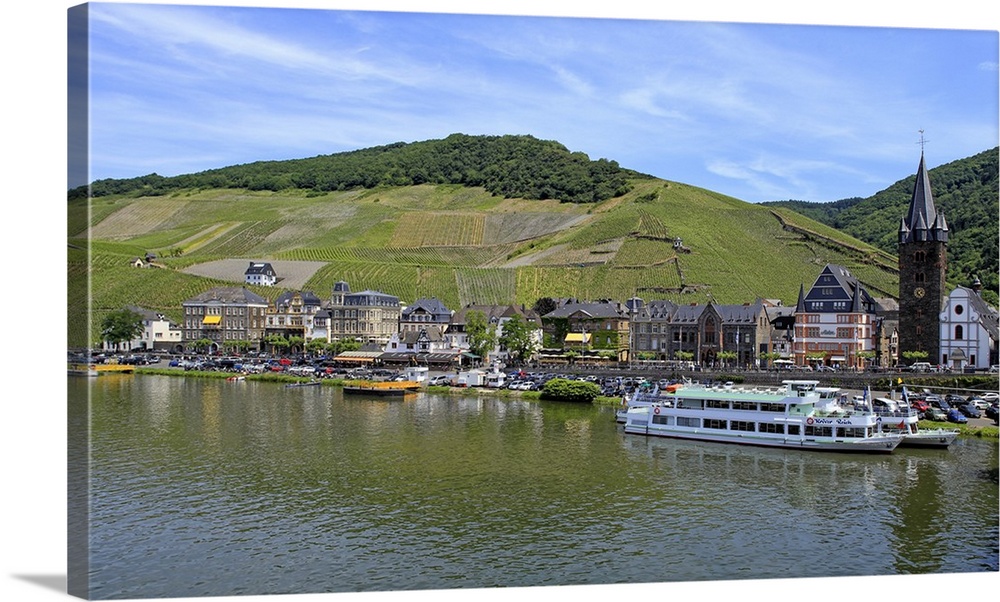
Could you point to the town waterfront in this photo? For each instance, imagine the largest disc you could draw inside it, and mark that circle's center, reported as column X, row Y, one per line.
column 201, row 487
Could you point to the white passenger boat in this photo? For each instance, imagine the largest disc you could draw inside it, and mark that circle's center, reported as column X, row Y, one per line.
column 898, row 417
column 796, row 415
column 643, row 396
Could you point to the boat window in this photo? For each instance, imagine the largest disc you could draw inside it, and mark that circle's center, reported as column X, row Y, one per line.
column 793, row 429
column 745, row 405
column 771, row 427
column 772, row 407
column 686, row 421
column 658, row 419
column 856, row 432
column 717, row 404
column 712, row 423
column 819, row 431
column 743, row 425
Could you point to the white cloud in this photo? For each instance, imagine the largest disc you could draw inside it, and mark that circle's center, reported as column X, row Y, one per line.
column 195, row 37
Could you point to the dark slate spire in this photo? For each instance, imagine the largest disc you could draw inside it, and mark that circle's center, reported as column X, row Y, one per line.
column 800, row 305
column 922, row 221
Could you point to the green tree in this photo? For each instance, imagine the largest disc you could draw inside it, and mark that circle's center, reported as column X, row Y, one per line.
column 120, row 327
column 726, row 356
column 516, row 338
column 562, row 389
column 915, row 356
column 482, row 336
column 545, row 305
column 277, row 342
column 239, row 346
column 316, row 346
column 341, row 345
column 202, row 345
column 815, row 357
column 770, row 356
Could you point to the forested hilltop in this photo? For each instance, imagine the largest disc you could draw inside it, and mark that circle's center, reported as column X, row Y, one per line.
column 964, row 190
column 507, row 166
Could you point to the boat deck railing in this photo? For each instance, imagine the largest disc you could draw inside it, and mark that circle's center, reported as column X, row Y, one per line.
column 897, row 414
column 840, row 413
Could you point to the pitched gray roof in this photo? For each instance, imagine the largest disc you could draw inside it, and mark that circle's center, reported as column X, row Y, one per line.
column 496, row 312
column 229, row 295
column 988, row 315
column 594, row 309
column 431, row 333
column 740, row 314
column 257, row 267
column 836, row 284
column 432, row 306
column 308, row 298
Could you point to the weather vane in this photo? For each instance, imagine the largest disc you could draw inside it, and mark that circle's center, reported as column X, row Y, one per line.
column 922, row 142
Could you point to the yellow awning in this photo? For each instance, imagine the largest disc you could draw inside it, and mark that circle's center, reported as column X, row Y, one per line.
column 212, row 320
column 577, row 337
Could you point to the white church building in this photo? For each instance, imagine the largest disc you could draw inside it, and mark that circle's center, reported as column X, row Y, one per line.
column 969, row 330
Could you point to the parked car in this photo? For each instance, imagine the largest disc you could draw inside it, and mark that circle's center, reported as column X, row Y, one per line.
column 957, row 417
column 936, row 414
column 440, row 379
column 919, row 405
column 980, row 403
column 992, row 412
column 938, row 403
column 970, row 411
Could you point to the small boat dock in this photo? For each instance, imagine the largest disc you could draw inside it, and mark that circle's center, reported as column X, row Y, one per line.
column 381, row 389
column 98, row 369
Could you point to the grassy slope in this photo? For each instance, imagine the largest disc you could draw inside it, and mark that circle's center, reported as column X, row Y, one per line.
column 465, row 246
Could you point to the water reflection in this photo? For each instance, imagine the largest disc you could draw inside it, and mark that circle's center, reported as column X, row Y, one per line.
column 213, row 488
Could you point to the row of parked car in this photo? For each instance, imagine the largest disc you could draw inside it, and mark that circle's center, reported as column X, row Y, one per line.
column 955, row 408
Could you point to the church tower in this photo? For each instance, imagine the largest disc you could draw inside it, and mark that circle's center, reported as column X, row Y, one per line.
column 923, row 261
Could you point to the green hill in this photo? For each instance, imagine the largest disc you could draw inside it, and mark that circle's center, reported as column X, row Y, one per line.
column 510, row 166
column 964, row 190
column 460, row 243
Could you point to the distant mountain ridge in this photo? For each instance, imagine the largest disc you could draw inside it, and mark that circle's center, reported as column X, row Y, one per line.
column 966, row 191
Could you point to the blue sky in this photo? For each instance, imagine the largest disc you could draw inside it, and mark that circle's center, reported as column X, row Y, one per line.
column 759, row 112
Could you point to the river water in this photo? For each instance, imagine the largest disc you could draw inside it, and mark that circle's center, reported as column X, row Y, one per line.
column 200, row 487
